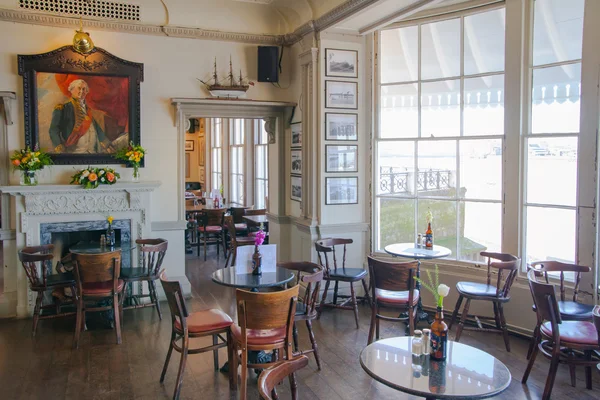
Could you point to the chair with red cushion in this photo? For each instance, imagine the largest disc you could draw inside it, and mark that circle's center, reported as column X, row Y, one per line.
column 238, row 213
column 393, row 286
column 210, row 229
column 199, row 324
column 235, row 241
column 266, row 323
column 568, row 342
column 97, row 277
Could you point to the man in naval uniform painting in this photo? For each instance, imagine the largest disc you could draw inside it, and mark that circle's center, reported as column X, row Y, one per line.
column 75, row 127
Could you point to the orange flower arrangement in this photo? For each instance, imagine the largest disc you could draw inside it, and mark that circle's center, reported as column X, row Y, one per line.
column 91, row 178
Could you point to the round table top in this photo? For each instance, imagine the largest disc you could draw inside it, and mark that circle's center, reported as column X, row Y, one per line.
column 409, row 250
column 96, row 248
column 467, row 373
column 230, row 277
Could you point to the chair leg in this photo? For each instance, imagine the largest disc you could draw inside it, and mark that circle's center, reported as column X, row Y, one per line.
column 166, row 365
column 230, row 360
column 411, row 320
column 313, row 342
column 354, row 303
column 227, row 259
column 215, row 339
column 366, row 292
column 244, row 382
column 534, row 340
column 293, row 386
column 531, row 361
column 335, row 291
column 295, row 336
column 377, row 323
column 322, row 304
column 156, row 303
column 455, row 313
column 503, row 326
column 463, row 319
column 551, row 377
column 588, row 370
column 205, row 239
column 184, row 352
column 234, row 256
column 77, row 320
column 37, row 311
column 117, row 316
column 372, row 325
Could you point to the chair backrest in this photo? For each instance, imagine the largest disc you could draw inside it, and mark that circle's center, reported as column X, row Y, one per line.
column 327, row 247
column 544, row 267
column 311, row 275
column 92, row 268
column 506, row 264
column 153, row 252
column 261, row 211
column 393, row 276
column 271, row 376
column 212, row 217
column 230, row 225
column 266, row 310
column 30, row 257
column 174, row 295
column 237, row 213
column 546, row 306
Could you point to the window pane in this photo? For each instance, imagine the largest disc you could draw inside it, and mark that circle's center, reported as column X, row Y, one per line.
column 484, row 106
column 399, row 111
column 443, row 224
column 400, row 55
column 552, row 171
column 550, row 234
column 440, row 110
column 555, row 96
column 396, row 162
column 440, row 49
column 396, row 221
column 557, row 30
column 480, row 230
column 481, row 169
column 437, row 168
column 484, row 42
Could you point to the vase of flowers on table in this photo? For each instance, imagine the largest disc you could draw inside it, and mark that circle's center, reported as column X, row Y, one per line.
column 257, row 257
column 29, row 162
column 91, row 178
column 110, row 232
column 133, row 154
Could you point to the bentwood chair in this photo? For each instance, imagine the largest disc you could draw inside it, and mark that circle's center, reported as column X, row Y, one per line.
column 507, row 266
column 206, row 323
column 238, row 219
column 570, row 310
column 266, row 323
column 309, row 275
column 153, row 252
column 210, row 228
column 272, row 376
column 34, row 260
column 328, row 253
column 235, row 241
column 560, row 341
column 97, row 277
column 393, row 286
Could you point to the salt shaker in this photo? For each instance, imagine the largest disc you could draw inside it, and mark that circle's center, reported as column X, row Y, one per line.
column 102, row 240
column 426, row 341
column 417, row 343
column 419, row 240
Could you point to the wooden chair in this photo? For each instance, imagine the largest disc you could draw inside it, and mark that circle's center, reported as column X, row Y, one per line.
column 326, row 248
column 206, row 323
column 252, row 229
column 570, row 310
column 210, row 229
column 235, row 241
column 272, row 376
column 238, row 219
column 97, row 277
column 560, row 341
column 266, row 323
column 497, row 294
column 310, row 275
column 261, row 211
column 393, row 286
column 39, row 258
column 153, row 252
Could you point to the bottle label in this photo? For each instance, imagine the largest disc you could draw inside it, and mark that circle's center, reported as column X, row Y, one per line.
column 439, row 346
column 429, row 240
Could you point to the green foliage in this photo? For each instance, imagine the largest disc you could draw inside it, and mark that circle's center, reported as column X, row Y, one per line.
column 28, row 160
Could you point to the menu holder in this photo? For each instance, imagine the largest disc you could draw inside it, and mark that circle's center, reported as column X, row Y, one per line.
column 243, row 262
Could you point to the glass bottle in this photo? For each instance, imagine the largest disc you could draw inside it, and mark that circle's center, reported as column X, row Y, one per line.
column 439, row 336
column 110, row 236
column 429, row 237
column 256, row 262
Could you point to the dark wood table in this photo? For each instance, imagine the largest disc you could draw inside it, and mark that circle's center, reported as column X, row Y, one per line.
column 257, row 220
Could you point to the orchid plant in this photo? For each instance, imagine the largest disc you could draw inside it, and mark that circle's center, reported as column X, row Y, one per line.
column 260, row 237
column 439, row 290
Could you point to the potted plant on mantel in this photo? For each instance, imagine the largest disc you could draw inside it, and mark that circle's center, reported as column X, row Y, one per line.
column 29, row 162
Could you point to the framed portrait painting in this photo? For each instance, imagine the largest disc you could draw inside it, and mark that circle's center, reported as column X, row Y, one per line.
column 80, row 108
column 343, row 63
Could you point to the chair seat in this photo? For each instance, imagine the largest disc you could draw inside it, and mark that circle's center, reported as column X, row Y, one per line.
column 98, row 288
column 244, row 240
column 476, row 289
column 132, row 273
column 396, row 298
column 259, row 336
column 347, row 274
column 211, row 229
column 574, row 332
column 571, row 310
column 241, row 227
column 66, row 278
column 205, row 321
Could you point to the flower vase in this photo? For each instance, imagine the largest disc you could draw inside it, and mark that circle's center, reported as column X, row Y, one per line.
column 28, row 178
column 136, row 173
column 256, row 262
column 110, row 236
column 439, row 336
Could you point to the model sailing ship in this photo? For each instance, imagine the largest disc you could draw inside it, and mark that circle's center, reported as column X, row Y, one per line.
column 233, row 90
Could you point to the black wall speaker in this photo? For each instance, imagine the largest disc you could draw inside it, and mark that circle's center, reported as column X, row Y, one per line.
column 268, row 63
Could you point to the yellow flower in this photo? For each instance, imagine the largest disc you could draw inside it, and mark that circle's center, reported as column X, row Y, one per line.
column 37, row 153
column 128, row 153
column 110, row 219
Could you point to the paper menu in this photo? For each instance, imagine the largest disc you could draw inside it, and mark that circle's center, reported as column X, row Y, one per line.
column 243, row 262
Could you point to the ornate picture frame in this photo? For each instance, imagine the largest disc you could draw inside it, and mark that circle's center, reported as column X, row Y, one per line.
column 76, row 129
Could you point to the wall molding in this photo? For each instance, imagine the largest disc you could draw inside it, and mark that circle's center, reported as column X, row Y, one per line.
column 334, row 229
column 161, row 226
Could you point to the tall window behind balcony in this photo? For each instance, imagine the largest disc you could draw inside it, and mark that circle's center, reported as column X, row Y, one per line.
column 441, row 129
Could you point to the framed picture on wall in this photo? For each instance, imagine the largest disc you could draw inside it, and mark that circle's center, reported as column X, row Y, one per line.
column 189, row 145
column 296, row 162
column 341, row 158
column 296, row 192
column 341, row 190
column 340, row 94
column 342, row 63
column 296, row 134
column 341, row 126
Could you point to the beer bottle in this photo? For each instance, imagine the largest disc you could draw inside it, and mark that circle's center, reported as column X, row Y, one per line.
column 439, row 336
column 429, row 237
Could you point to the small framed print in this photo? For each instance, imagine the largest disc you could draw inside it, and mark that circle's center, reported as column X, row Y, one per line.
column 341, row 158
column 341, row 190
column 189, row 145
column 297, row 134
column 296, row 193
column 340, row 94
column 296, row 162
column 341, row 126
column 342, row 63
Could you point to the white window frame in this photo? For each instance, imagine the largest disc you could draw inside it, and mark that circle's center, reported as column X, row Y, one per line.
column 258, row 130
column 234, row 176
column 216, row 176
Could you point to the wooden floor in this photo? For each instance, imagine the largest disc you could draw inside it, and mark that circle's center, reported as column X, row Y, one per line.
column 47, row 368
